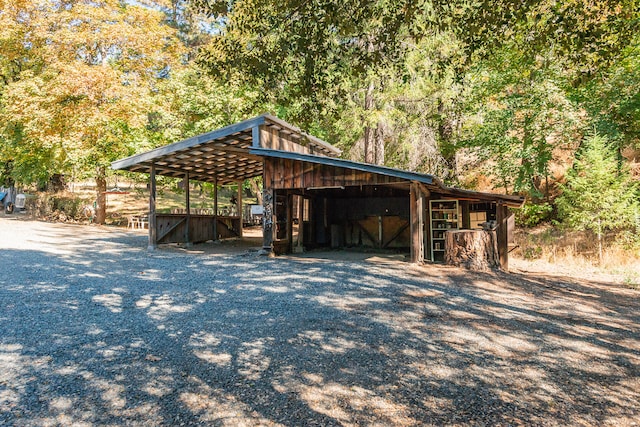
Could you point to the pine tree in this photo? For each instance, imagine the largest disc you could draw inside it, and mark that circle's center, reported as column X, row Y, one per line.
column 598, row 195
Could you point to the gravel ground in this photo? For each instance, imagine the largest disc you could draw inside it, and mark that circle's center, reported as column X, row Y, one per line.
column 96, row 330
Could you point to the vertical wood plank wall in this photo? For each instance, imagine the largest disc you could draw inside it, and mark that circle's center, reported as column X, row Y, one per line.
column 292, row 174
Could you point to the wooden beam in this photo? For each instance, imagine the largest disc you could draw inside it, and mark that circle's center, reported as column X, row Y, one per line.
column 289, row 222
column 416, row 218
column 422, row 207
column 255, row 133
column 466, row 214
column 215, row 208
column 153, row 241
column 502, row 214
column 239, row 204
column 268, row 219
column 188, row 208
column 300, row 222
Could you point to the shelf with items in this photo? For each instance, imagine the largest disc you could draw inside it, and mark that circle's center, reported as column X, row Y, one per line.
column 444, row 215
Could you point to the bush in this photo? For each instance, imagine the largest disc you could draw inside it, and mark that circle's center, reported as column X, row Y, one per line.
column 532, row 214
column 60, row 207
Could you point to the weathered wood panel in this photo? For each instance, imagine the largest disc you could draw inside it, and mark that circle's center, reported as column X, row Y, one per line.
column 172, row 228
column 366, row 232
column 153, row 236
column 294, row 174
column 276, row 139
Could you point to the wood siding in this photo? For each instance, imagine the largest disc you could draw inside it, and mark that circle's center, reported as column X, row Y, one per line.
column 280, row 174
column 171, row 228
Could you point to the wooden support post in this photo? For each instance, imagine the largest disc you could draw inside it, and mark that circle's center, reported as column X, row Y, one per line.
column 215, row 208
column 502, row 214
column 187, row 210
column 416, row 218
column 289, row 222
column 153, row 241
column 466, row 214
column 300, row 223
column 422, row 203
column 268, row 220
column 239, row 205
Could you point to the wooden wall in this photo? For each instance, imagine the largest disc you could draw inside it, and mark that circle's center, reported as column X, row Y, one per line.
column 293, row 174
column 171, row 228
column 275, row 139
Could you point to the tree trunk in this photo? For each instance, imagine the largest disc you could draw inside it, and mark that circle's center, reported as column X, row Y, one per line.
column 369, row 132
column 379, row 137
column 255, row 189
column 101, row 199
column 599, row 242
column 472, row 249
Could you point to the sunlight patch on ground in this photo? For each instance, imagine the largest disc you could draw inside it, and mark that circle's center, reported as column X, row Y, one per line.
column 348, row 404
column 251, row 358
column 113, row 302
column 162, row 306
column 214, row 407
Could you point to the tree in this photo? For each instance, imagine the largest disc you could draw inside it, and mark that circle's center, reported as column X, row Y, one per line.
column 310, row 56
column 521, row 119
column 313, row 56
column 84, row 101
column 613, row 102
column 597, row 195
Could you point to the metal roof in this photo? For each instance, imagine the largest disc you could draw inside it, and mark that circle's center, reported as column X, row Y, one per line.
column 221, row 155
column 432, row 182
column 235, row 153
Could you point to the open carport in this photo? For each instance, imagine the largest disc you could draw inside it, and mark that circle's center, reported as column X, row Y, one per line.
column 312, row 198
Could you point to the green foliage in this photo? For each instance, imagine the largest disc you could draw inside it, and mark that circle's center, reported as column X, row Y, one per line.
column 192, row 103
column 78, row 100
column 598, row 195
column 522, row 120
column 614, row 101
column 532, row 214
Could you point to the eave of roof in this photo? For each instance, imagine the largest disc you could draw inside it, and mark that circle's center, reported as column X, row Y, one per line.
column 246, row 127
column 348, row 164
column 430, row 181
column 232, row 153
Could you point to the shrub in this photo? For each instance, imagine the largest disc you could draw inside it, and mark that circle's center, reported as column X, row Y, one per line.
column 532, row 214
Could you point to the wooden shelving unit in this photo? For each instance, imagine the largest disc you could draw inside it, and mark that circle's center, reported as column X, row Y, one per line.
column 444, row 216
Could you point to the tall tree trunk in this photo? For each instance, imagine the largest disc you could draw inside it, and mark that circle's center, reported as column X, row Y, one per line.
column 101, row 199
column 256, row 190
column 379, row 152
column 369, row 132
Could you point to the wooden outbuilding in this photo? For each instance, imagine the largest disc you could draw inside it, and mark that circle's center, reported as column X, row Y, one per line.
column 314, row 199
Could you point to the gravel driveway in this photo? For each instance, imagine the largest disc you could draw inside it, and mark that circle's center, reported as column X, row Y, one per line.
column 96, row 330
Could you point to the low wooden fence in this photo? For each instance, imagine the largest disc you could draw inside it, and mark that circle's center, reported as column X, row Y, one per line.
column 180, row 228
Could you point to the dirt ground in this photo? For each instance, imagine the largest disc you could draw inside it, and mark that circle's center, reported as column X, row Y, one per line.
column 96, row 330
